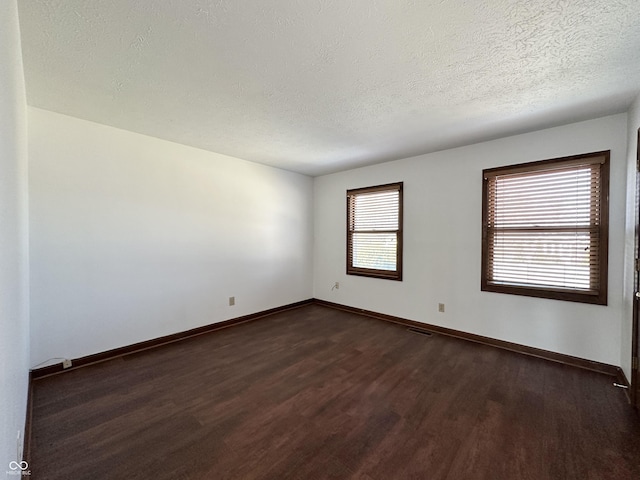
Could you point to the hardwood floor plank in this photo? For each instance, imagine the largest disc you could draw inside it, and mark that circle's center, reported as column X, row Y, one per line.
column 317, row 393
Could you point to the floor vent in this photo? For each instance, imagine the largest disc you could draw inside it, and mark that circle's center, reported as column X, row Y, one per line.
column 420, row 332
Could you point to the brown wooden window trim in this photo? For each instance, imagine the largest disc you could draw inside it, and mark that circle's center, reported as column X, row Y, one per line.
column 598, row 274
column 372, row 272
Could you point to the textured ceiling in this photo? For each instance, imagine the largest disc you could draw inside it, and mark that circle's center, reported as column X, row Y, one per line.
column 317, row 86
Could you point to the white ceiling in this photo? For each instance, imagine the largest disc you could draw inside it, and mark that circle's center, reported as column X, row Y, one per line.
column 318, row 86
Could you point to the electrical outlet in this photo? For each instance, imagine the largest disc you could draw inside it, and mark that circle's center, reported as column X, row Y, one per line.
column 232, row 301
column 441, row 307
column 66, row 363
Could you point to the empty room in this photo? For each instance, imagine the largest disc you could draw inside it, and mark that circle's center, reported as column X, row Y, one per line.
column 319, row 240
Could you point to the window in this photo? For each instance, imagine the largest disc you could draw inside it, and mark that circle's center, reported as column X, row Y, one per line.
column 374, row 231
column 545, row 228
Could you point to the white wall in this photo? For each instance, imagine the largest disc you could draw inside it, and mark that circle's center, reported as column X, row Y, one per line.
column 442, row 244
column 627, row 316
column 14, row 323
column 135, row 237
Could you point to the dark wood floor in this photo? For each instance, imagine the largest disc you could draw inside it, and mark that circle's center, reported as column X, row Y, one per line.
column 316, row 393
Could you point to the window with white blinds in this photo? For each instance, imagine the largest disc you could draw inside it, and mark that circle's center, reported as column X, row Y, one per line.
column 374, row 231
column 545, row 229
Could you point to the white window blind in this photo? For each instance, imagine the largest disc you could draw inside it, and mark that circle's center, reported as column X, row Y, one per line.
column 544, row 226
column 374, row 231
